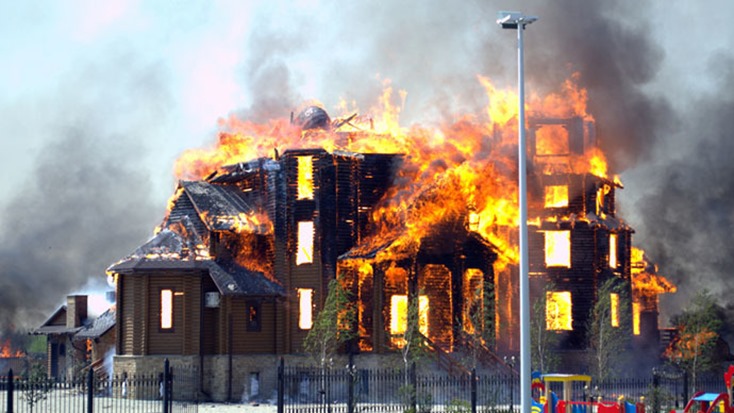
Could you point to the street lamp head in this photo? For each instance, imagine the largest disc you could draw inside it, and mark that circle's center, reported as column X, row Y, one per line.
column 513, row 19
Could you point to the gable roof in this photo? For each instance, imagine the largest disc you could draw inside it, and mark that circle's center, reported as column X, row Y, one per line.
column 56, row 324
column 170, row 251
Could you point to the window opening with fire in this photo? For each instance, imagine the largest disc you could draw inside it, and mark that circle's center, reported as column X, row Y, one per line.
column 558, row 249
column 636, row 319
column 399, row 317
column 253, row 316
column 612, row 250
column 304, row 252
column 305, row 177
column 551, row 140
column 305, row 308
column 556, row 196
column 558, row 315
column 614, row 303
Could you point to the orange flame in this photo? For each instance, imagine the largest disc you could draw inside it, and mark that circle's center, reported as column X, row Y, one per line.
column 6, row 351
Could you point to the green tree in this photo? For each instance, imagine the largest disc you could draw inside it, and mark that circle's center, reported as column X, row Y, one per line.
column 334, row 325
column 609, row 327
column 698, row 331
column 544, row 342
column 37, row 386
column 479, row 333
column 414, row 347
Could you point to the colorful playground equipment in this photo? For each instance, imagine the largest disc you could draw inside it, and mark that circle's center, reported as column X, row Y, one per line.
column 713, row 402
column 574, row 403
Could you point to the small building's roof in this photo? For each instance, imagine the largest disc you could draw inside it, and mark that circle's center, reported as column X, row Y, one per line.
column 56, row 324
column 102, row 324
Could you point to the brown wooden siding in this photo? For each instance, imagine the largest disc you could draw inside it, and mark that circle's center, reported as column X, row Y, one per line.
column 244, row 341
column 183, row 338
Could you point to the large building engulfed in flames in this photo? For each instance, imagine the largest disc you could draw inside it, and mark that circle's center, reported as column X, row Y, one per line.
column 239, row 268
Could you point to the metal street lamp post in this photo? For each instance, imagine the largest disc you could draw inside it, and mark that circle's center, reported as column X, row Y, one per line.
column 518, row 21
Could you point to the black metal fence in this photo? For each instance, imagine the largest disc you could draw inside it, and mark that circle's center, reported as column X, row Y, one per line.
column 353, row 389
column 171, row 390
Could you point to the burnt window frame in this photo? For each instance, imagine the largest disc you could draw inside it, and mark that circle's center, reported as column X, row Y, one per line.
column 255, row 326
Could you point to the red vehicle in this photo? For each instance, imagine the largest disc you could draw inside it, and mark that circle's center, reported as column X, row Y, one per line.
column 713, row 402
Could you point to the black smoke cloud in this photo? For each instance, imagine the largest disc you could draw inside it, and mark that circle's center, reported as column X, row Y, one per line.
column 86, row 202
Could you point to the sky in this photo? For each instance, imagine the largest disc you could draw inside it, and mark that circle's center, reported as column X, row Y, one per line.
column 97, row 100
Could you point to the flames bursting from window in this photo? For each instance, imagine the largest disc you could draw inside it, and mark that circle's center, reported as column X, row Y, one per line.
column 305, row 177
column 556, row 196
column 558, row 308
column 558, row 249
column 399, row 318
column 613, row 251
column 614, row 309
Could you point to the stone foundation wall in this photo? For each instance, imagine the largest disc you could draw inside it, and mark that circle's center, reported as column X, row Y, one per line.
column 251, row 378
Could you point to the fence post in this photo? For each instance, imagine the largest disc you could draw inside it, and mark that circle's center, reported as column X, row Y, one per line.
column 11, row 387
column 686, row 394
column 281, row 386
column 474, row 390
column 352, row 378
column 166, row 377
column 90, row 390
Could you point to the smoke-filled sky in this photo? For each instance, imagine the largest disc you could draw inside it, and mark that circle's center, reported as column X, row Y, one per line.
column 99, row 98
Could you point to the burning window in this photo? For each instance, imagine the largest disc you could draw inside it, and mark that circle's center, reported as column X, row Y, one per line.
column 556, row 196
column 558, row 249
column 253, row 316
column 612, row 250
column 304, row 253
column 558, row 310
column 399, row 315
column 166, row 309
column 614, row 303
column 473, row 300
column 601, row 193
column 551, row 140
column 636, row 319
column 305, row 177
column 305, row 308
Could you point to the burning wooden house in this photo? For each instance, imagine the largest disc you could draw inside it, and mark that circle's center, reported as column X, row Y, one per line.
column 239, row 268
